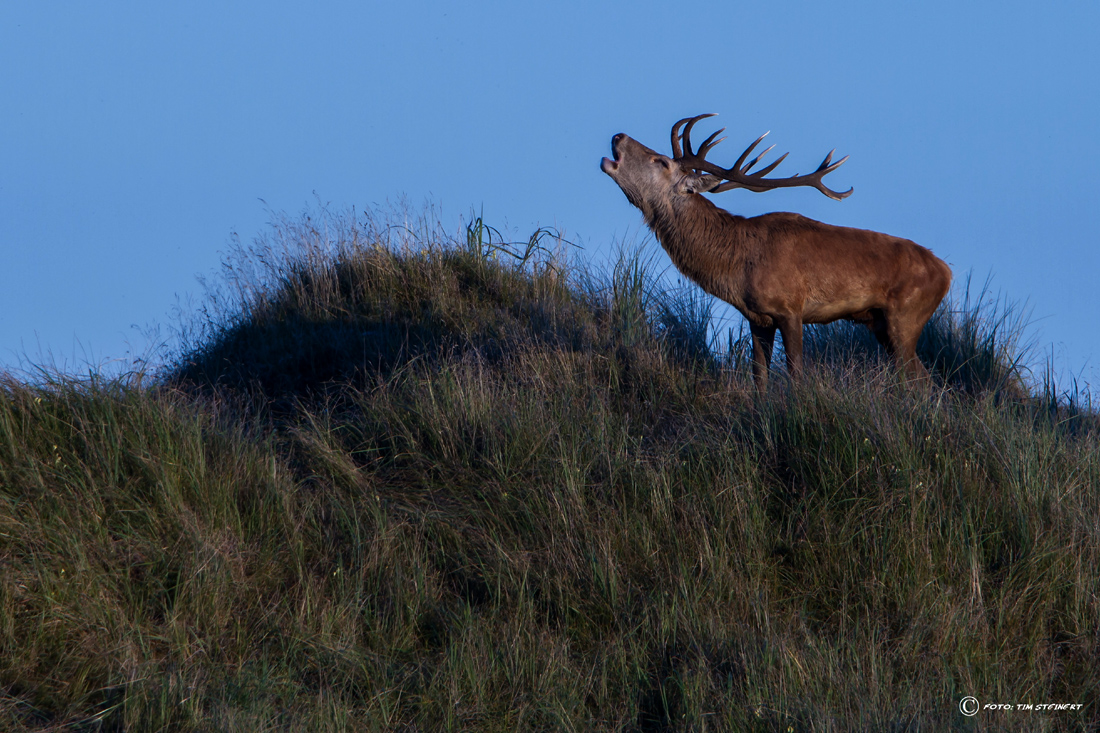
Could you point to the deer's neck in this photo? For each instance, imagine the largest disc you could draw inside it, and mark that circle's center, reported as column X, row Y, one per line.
column 707, row 244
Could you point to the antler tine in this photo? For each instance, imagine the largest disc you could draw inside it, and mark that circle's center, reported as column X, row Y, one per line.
column 835, row 195
column 757, row 159
column 825, row 163
column 687, row 134
column 710, row 142
column 677, row 152
column 771, row 166
column 737, row 165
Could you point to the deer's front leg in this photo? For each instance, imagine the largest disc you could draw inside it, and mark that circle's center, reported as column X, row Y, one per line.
column 790, row 328
column 763, row 340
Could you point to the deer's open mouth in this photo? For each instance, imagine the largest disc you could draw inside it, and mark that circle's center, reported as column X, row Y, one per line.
column 607, row 165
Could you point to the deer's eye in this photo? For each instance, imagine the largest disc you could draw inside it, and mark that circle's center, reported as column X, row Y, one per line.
column 662, row 161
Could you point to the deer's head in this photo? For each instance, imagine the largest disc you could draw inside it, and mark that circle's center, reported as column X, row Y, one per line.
column 646, row 176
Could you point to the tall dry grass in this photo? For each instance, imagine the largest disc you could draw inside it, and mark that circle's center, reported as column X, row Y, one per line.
column 400, row 481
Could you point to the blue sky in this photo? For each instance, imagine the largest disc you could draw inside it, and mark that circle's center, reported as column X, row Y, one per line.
column 135, row 139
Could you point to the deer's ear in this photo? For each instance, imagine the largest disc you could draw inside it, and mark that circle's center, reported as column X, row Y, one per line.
column 699, row 183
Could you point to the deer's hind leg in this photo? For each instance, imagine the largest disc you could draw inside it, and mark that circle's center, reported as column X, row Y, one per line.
column 899, row 331
column 910, row 312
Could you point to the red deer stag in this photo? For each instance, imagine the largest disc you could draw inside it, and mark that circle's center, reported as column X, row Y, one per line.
column 780, row 270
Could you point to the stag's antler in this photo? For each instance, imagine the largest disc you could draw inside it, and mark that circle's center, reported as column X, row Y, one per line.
column 740, row 177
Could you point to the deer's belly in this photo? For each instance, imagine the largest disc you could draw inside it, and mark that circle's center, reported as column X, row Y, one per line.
column 856, row 309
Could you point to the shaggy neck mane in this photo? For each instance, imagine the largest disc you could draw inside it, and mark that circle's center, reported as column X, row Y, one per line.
column 705, row 242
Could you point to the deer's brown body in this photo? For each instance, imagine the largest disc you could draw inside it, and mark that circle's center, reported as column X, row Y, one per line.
column 780, row 270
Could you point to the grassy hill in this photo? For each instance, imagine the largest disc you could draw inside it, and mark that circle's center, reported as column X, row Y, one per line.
column 395, row 481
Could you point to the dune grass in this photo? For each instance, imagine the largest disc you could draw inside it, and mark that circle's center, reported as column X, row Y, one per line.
column 396, row 480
